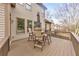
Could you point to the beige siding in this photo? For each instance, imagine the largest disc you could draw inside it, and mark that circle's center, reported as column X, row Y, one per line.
column 2, row 21
column 35, row 9
column 21, row 11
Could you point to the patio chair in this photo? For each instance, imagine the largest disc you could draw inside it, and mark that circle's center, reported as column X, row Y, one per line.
column 31, row 35
column 39, row 40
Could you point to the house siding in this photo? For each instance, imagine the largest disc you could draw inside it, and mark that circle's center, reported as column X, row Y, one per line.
column 35, row 9
column 2, row 21
column 8, row 24
column 22, row 12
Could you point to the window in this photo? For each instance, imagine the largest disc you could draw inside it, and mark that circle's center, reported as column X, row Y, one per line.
column 29, row 25
column 20, row 25
column 38, row 17
column 28, row 6
column 37, row 24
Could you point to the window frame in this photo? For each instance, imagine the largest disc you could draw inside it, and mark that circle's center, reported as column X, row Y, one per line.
column 28, row 26
column 17, row 30
column 26, row 4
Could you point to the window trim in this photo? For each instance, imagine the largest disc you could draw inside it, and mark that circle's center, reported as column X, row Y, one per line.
column 28, row 24
column 24, row 5
column 29, row 6
column 17, row 25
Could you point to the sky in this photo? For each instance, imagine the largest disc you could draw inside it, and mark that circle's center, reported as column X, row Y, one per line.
column 51, row 7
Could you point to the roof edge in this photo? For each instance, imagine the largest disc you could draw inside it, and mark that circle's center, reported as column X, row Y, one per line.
column 41, row 4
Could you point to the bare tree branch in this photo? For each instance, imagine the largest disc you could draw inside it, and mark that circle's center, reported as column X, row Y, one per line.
column 69, row 13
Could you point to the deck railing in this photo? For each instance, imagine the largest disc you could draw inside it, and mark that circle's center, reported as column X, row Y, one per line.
column 72, row 37
column 61, row 34
column 4, row 46
column 75, row 42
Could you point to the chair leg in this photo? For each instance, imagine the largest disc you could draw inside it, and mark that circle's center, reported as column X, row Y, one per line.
column 42, row 47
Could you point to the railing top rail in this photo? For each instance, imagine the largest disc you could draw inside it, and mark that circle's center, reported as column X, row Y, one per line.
column 75, row 36
column 3, row 41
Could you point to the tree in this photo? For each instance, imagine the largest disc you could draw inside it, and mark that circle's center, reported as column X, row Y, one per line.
column 69, row 15
column 48, row 15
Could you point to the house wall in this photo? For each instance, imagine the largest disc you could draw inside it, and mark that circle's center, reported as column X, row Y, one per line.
column 7, row 19
column 22, row 12
column 35, row 9
column 4, row 28
column 4, row 20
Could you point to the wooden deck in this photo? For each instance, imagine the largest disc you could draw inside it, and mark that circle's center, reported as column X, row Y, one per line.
column 58, row 47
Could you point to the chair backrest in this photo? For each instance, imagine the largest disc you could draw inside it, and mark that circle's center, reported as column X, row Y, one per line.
column 37, row 33
column 30, row 31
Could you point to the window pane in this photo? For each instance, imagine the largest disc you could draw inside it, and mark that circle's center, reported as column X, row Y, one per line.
column 37, row 24
column 29, row 25
column 28, row 6
column 20, row 25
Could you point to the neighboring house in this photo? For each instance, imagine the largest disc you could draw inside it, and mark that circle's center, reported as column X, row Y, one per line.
column 47, row 25
column 52, row 25
column 61, row 28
